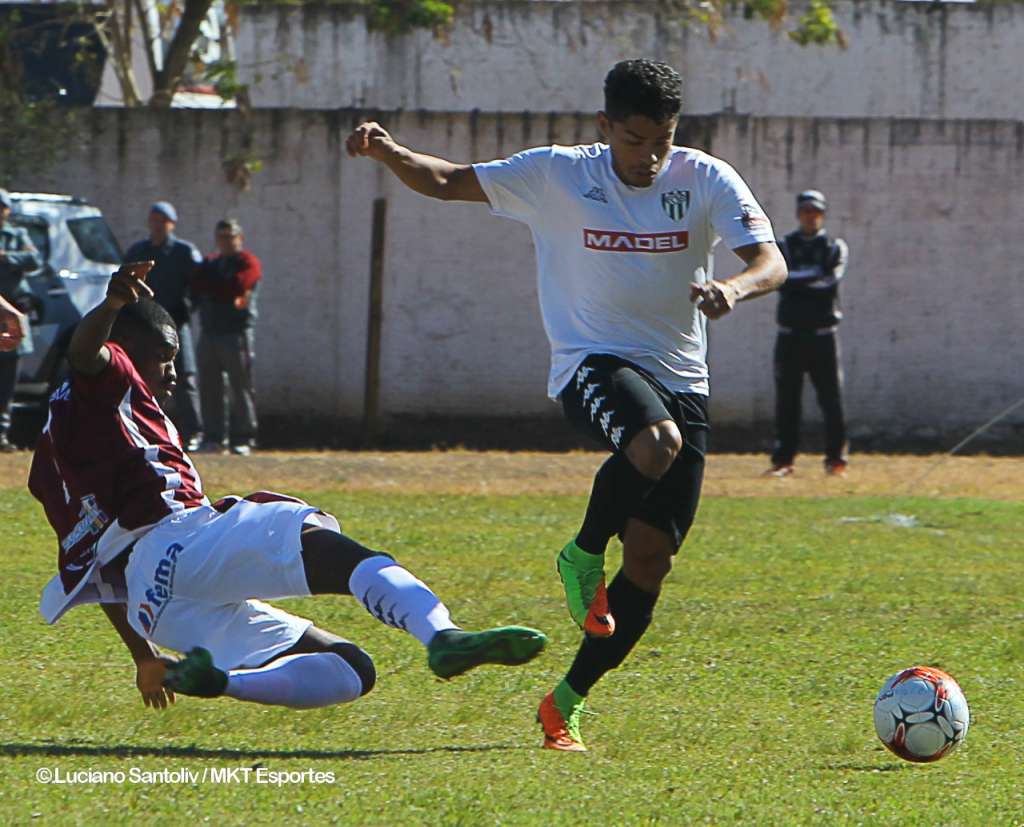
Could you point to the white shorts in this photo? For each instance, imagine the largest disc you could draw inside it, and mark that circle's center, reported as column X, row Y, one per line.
column 194, row 579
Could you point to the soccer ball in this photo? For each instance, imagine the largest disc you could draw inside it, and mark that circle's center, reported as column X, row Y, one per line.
column 921, row 714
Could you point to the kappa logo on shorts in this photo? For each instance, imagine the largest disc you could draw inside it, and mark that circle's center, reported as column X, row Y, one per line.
column 592, row 405
column 162, row 589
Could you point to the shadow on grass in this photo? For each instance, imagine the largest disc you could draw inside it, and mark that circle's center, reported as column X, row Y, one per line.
column 128, row 751
column 852, row 766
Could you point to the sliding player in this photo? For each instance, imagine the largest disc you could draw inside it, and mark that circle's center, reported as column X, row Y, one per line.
column 623, row 233
column 137, row 534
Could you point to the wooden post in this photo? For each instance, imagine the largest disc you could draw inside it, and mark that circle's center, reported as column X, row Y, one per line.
column 371, row 390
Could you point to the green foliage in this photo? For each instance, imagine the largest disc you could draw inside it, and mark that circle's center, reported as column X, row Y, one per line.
column 401, row 16
column 748, row 702
column 224, row 76
column 774, row 11
column 33, row 134
column 817, row 26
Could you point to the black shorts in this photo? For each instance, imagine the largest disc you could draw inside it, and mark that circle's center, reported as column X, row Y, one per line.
column 612, row 400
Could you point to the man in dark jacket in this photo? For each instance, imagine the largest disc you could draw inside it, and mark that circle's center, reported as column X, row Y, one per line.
column 225, row 289
column 808, row 340
column 171, row 278
column 18, row 256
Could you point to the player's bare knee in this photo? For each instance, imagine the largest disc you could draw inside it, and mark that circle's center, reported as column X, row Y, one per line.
column 360, row 661
column 654, row 449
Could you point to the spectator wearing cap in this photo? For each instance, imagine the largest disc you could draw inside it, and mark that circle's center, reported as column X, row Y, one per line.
column 808, row 338
column 225, row 289
column 18, row 256
column 171, row 279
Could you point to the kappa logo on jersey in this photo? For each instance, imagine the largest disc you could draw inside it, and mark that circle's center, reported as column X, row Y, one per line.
column 93, row 522
column 162, row 589
column 596, row 194
column 610, row 241
column 675, row 204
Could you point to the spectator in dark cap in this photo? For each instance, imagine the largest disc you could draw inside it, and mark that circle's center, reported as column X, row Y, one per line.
column 171, row 279
column 808, row 339
column 18, row 256
column 225, row 289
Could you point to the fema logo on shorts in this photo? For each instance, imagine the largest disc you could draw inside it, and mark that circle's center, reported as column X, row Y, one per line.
column 162, row 589
column 675, row 203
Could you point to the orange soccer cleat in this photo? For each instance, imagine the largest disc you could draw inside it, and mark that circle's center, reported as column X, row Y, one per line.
column 559, row 733
column 599, row 621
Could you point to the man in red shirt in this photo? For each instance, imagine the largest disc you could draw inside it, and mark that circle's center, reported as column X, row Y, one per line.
column 225, row 288
column 137, row 534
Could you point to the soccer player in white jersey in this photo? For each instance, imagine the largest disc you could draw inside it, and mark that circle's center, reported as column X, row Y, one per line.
column 624, row 231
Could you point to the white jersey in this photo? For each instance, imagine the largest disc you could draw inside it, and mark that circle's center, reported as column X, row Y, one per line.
column 614, row 262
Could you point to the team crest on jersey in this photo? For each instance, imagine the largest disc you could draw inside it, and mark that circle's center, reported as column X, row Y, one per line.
column 675, row 204
column 93, row 521
column 596, row 194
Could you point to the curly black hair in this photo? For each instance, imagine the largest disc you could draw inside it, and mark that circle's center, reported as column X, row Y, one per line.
column 643, row 87
column 144, row 317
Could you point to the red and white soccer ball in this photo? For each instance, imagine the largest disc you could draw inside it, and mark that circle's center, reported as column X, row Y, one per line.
column 921, row 714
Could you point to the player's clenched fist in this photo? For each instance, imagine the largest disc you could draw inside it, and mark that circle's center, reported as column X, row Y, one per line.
column 128, row 284
column 371, row 140
column 714, row 298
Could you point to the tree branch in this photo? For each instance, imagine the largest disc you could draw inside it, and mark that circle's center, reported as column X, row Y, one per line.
column 176, row 59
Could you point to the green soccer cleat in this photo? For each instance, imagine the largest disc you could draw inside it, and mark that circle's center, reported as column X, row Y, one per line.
column 582, row 576
column 453, row 652
column 196, row 675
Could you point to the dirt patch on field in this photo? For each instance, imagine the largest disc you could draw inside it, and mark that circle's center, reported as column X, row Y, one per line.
column 472, row 472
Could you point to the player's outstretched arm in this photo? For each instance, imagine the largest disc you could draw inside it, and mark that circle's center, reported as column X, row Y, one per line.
column 427, row 175
column 765, row 272
column 87, row 352
column 150, row 665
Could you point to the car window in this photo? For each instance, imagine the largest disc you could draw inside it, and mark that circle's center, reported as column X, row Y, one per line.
column 95, row 240
column 38, row 231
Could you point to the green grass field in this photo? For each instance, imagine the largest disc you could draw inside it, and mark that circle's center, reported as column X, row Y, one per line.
column 749, row 701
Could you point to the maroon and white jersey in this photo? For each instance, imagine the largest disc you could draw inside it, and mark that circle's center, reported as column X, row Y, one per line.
column 109, row 466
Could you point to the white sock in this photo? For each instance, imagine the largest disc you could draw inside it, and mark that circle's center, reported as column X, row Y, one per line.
column 299, row 681
column 396, row 598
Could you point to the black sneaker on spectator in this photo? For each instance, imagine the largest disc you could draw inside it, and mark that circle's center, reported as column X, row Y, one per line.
column 6, row 446
column 194, row 443
column 780, row 471
column 242, row 450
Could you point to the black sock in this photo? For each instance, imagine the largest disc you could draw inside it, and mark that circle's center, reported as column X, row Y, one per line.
column 618, row 489
column 632, row 609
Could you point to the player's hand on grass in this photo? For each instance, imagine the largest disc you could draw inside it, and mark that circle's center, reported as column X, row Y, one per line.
column 128, row 284
column 13, row 326
column 149, row 676
column 370, row 140
column 715, row 298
